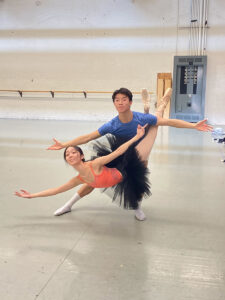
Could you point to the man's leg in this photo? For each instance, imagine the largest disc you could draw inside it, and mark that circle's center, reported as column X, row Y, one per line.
column 66, row 208
column 145, row 146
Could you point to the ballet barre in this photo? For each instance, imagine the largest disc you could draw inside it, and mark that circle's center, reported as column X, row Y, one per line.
column 53, row 92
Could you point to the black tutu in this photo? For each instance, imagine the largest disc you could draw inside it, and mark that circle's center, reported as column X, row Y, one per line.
column 135, row 184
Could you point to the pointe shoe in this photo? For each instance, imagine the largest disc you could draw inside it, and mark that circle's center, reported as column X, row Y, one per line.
column 146, row 100
column 168, row 93
column 139, row 214
column 167, row 96
column 165, row 99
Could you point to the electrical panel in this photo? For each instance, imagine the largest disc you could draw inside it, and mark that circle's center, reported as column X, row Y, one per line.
column 189, row 81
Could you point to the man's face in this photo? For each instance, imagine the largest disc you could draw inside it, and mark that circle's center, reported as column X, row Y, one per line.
column 122, row 103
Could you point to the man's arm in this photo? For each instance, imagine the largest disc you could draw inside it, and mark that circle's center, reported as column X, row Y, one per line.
column 201, row 125
column 83, row 139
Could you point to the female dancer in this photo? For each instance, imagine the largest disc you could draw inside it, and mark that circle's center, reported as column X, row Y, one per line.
column 122, row 169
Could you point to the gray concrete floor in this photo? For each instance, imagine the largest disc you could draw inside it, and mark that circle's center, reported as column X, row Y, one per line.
column 99, row 251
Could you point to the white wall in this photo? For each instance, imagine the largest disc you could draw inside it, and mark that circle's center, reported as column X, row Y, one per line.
column 103, row 45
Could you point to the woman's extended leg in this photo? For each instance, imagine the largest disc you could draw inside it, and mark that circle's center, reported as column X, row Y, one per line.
column 145, row 146
column 83, row 191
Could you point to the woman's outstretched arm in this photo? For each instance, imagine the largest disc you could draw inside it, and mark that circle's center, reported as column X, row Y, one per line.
column 50, row 192
column 101, row 161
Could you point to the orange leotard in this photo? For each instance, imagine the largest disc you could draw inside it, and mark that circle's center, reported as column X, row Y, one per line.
column 108, row 177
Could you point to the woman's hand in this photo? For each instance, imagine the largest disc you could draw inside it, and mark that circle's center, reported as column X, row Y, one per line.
column 140, row 131
column 23, row 194
column 57, row 146
column 202, row 126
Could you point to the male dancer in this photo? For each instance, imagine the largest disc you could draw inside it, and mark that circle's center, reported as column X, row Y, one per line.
column 124, row 125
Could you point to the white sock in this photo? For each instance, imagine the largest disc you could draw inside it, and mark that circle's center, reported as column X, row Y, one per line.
column 67, row 206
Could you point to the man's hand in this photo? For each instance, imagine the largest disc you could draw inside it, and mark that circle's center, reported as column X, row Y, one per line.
column 56, row 146
column 202, row 126
column 23, row 194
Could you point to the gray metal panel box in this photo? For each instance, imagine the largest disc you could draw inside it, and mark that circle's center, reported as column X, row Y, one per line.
column 189, row 81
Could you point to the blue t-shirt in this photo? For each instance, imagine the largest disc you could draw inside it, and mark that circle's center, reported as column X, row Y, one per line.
column 127, row 130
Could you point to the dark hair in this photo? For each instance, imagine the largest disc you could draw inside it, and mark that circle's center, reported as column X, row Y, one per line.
column 123, row 91
column 76, row 148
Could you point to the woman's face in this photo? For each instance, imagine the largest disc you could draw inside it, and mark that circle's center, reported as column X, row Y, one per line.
column 73, row 156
